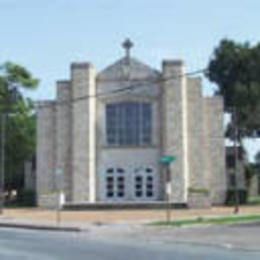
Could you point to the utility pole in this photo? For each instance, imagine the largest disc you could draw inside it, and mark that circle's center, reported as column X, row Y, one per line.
column 168, row 192
column 236, row 156
column 59, row 183
column 2, row 174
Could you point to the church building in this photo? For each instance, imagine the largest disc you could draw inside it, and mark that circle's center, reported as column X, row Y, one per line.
column 102, row 139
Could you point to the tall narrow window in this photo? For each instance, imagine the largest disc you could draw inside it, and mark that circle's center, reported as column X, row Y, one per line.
column 146, row 124
column 129, row 123
column 111, row 114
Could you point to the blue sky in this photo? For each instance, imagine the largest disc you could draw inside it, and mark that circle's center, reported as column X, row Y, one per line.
column 46, row 36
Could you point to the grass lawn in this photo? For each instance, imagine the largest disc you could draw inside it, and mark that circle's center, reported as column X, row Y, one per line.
column 207, row 220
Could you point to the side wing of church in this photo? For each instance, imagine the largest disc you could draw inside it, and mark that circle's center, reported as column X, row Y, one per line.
column 106, row 132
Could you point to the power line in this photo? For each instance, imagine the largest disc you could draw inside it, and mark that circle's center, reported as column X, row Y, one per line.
column 127, row 88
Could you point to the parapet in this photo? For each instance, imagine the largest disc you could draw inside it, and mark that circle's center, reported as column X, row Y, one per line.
column 81, row 65
column 177, row 62
column 45, row 104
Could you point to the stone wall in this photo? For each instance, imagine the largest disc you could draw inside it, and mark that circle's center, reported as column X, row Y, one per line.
column 63, row 139
column 199, row 200
column 196, row 133
column 46, row 150
column 48, row 201
column 174, row 118
column 83, row 131
column 197, row 180
column 214, row 149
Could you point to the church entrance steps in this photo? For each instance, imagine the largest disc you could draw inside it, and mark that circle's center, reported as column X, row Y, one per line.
column 122, row 205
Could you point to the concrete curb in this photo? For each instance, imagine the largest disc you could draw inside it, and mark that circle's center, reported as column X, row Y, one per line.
column 40, row 227
column 220, row 245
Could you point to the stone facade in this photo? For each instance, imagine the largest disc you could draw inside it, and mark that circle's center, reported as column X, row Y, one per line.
column 63, row 138
column 175, row 135
column 214, row 151
column 46, row 149
column 83, row 137
column 72, row 136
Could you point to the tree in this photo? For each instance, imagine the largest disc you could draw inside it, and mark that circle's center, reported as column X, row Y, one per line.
column 20, row 123
column 235, row 68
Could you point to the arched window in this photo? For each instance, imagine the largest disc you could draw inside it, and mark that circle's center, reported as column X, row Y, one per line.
column 149, row 170
column 120, row 170
column 129, row 123
column 110, row 170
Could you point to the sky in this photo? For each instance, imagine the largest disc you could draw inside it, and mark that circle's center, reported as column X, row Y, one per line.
column 46, row 36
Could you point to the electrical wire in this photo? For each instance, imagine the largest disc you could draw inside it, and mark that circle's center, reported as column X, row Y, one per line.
column 123, row 89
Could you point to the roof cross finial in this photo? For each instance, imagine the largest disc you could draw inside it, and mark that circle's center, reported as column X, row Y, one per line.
column 127, row 45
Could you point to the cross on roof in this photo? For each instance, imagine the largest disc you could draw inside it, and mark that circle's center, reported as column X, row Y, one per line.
column 127, row 45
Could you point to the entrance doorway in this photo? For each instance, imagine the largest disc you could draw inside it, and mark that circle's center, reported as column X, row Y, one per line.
column 115, row 184
column 130, row 184
column 144, row 184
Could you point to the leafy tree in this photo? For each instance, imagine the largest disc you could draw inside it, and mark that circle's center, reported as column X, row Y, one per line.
column 20, row 121
column 235, row 68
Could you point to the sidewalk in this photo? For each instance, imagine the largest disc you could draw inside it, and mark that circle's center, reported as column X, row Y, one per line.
column 86, row 218
column 127, row 225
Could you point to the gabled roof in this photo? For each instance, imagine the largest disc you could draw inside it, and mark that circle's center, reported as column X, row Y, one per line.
column 137, row 70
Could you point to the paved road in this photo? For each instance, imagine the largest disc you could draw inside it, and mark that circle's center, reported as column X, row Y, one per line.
column 42, row 245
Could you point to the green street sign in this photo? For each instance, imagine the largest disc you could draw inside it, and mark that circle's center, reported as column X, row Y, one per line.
column 167, row 159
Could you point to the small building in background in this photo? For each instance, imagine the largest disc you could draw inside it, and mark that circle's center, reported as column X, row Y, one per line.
column 248, row 185
column 254, row 190
column 231, row 167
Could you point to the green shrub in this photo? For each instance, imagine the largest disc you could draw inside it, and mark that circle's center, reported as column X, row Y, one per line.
column 26, row 198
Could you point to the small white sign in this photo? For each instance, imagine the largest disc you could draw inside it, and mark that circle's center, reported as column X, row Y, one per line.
column 168, row 188
column 61, row 199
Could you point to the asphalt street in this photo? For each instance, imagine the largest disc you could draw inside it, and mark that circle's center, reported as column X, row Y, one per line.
column 43, row 245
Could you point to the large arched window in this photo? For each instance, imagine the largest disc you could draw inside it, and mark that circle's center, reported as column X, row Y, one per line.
column 129, row 123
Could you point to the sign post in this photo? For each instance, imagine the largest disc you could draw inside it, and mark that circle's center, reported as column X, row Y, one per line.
column 59, row 193
column 166, row 162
